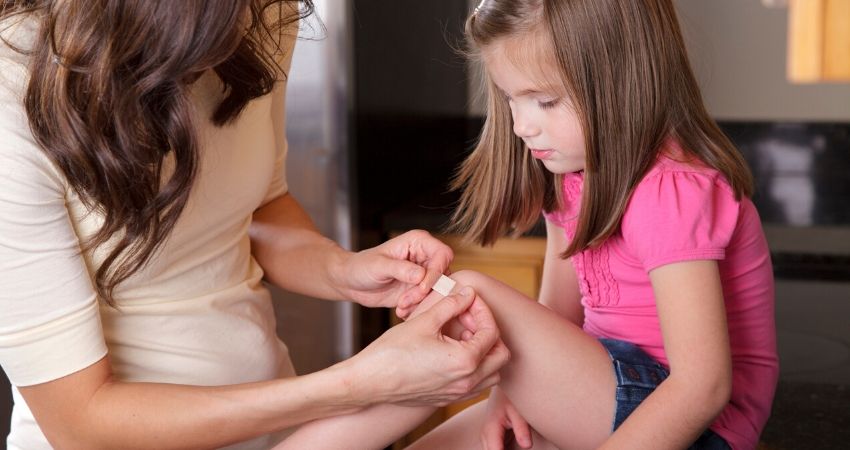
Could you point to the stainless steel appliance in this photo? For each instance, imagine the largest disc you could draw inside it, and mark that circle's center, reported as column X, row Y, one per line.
column 319, row 101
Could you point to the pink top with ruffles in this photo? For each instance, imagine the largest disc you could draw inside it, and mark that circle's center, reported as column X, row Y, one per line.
column 683, row 212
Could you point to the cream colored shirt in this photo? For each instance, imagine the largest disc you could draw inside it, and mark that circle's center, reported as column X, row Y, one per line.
column 197, row 314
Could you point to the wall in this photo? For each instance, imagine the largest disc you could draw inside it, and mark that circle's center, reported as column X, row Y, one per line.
column 737, row 49
column 406, row 60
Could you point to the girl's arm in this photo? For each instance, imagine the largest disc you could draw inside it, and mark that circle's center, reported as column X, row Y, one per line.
column 690, row 305
column 559, row 288
column 410, row 364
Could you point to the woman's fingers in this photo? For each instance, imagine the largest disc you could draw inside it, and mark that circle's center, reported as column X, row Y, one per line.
column 435, row 359
column 424, row 250
column 488, row 371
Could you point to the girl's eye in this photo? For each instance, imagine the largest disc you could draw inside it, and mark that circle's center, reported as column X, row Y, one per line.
column 547, row 105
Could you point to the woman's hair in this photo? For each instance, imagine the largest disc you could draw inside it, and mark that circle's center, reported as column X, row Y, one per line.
column 624, row 68
column 108, row 100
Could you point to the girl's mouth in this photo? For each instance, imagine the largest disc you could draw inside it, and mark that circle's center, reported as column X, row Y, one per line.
column 541, row 153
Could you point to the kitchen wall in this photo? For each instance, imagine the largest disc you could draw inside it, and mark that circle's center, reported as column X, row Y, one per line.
column 406, row 63
column 737, row 50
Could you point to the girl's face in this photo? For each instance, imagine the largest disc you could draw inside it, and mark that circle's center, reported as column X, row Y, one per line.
column 543, row 118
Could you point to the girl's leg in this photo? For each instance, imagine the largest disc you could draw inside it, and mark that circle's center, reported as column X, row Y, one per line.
column 462, row 432
column 371, row 429
column 559, row 378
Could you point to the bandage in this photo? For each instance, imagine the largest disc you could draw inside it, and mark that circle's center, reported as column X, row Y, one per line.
column 444, row 285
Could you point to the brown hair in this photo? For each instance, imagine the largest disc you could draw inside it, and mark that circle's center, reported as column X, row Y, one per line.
column 624, row 66
column 108, row 101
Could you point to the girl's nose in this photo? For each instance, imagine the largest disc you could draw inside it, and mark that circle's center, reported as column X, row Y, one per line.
column 523, row 127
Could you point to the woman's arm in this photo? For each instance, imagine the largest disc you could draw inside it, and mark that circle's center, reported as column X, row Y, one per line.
column 378, row 426
column 411, row 364
column 297, row 257
column 690, row 305
column 90, row 410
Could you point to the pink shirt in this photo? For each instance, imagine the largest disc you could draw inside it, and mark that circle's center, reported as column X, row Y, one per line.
column 682, row 212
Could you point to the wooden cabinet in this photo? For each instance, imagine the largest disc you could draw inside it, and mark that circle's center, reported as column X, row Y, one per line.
column 819, row 41
column 517, row 262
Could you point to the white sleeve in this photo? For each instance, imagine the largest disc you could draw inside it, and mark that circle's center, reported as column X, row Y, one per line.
column 283, row 54
column 49, row 321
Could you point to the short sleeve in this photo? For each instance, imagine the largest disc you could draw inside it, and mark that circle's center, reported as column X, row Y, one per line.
column 49, row 321
column 680, row 216
column 283, row 56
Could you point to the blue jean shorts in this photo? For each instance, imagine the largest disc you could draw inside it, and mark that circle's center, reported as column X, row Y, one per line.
column 638, row 374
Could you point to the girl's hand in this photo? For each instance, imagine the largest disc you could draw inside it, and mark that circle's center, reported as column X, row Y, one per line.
column 416, row 364
column 399, row 272
column 501, row 415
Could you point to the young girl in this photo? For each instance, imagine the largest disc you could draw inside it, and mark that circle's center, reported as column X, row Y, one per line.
column 656, row 327
column 654, row 248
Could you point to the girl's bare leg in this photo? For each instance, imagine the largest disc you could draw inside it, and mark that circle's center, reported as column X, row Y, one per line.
column 462, row 432
column 371, row 429
column 559, row 378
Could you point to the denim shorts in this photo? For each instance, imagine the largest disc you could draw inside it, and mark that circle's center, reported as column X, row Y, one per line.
column 637, row 376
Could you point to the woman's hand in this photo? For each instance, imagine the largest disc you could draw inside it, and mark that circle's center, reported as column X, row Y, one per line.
column 399, row 272
column 416, row 364
column 501, row 415
column 461, row 327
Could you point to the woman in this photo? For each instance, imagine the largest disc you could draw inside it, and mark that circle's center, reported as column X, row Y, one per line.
column 142, row 200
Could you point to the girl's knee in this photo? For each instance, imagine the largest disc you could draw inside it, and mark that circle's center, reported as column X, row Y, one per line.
column 471, row 278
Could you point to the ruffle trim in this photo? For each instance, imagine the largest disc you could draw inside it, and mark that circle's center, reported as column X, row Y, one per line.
column 592, row 265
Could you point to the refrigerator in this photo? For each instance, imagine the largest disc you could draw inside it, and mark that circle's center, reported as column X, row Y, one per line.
column 319, row 106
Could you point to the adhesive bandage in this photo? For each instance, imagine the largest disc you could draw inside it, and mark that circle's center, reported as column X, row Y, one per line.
column 444, row 285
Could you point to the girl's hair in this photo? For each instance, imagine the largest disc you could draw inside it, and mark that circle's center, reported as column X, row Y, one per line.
column 624, row 67
column 108, row 100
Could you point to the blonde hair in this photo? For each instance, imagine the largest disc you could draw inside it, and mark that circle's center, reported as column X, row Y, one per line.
column 624, row 66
